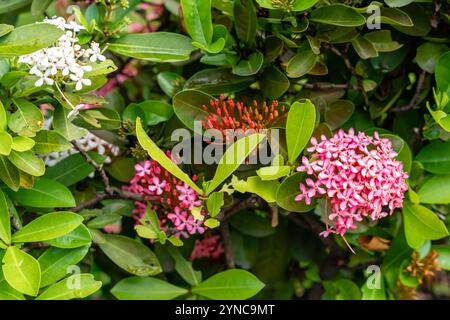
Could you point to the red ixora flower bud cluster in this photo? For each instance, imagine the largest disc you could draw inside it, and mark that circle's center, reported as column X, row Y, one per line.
column 227, row 114
column 171, row 198
column 358, row 174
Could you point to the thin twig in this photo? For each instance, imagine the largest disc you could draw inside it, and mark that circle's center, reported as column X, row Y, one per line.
column 416, row 97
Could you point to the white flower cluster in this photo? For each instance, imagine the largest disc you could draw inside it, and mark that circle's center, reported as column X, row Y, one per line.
column 67, row 61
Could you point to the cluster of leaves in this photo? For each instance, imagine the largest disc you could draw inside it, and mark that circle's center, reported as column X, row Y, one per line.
column 372, row 66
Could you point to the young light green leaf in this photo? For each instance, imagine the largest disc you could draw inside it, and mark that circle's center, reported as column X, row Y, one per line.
column 78, row 237
column 136, row 288
column 435, row 190
column 22, row 144
column 5, row 143
column 232, row 284
column 233, row 157
column 76, row 286
column 22, row 271
column 159, row 156
column 28, row 162
column 299, row 127
column 50, row 141
column 27, row 120
column 184, row 267
column 48, row 226
column 214, row 203
column 273, row 172
column 197, row 18
column 8, row 293
column 9, row 174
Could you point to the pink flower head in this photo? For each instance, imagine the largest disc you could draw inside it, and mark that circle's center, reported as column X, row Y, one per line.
column 358, row 174
column 171, row 198
column 208, row 247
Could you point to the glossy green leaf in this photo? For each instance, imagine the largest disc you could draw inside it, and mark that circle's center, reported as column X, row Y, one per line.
column 155, row 46
column 250, row 65
column 136, row 288
column 48, row 226
column 435, row 190
column 56, row 263
column 421, row 224
column 11, row 5
column 8, row 293
column 5, row 225
column 435, row 157
column 197, row 18
column 245, row 20
column 184, row 267
column 28, row 162
column 76, row 286
column 273, row 83
column 50, row 141
column 214, row 203
column 131, row 255
column 300, row 125
column 29, row 38
column 442, row 72
column 428, row 54
column 231, row 284
column 78, row 237
column 338, row 112
column 301, row 63
column 9, row 174
column 5, row 143
column 22, row 144
column 218, row 81
column 27, row 120
column 151, row 112
column 38, row 7
column 45, row 193
column 264, row 189
column 187, row 106
column 364, row 48
column 63, row 126
column 338, row 15
column 21, row 271
column 395, row 17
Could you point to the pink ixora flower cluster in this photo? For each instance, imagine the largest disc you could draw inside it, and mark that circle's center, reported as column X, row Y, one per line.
column 171, row 198
column 358, row 174
column 209, row 247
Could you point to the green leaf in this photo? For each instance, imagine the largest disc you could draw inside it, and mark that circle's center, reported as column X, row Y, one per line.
column 398, row 3
column 232, row 284
column 184, row 267
column 9, row 174
column 78, row 237
column 5, row 224
column 155, row 46
column 435, row 157
column 136, row 288
column 218, row 81
column 72, row 169
column 76, row 286
column 45, row 193
column 3, row 118
column 28, row 162
column 443, row 256
column 420, row 25
column 187, row 106
column 298, row 5
column 442, row 72
column 250, row 65
column 48, row 226
column 8, row 293
column 288, row 190
column 364, row 48
column 252, row 224
column 55, row 263
column 22, row 144
column 212, row 223
column 38, row 7
column 22, row 271
column 131, row 255
column 395, row 17
column 29, row 38
column 11, row 5
column 151, row 112
column 5, row 29
column 245, row 20
column 27, row 120
column 273, row 83
column 122, row 169
column 421, row 224
column 214, row 203
column 264, row 189
column 301, row 63
column 168, row 82
column 338, row 112
column 233, row 157
column 338, row 15
column 273, row 172
column 435, row 190
column 300, row 125
column 50, row 141
column 382, row 41
column 159, row 156
column 63, row 126
column 5, row 143
column 197, row 18
column 428, row 54
column 373, row 294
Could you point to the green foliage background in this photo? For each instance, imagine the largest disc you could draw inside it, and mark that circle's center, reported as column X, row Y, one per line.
column 373, row 66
